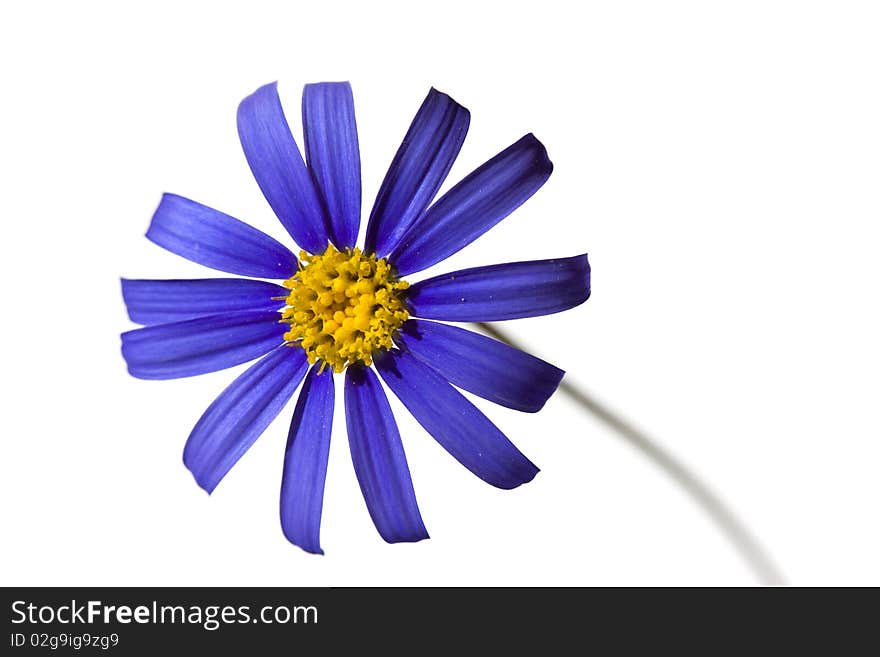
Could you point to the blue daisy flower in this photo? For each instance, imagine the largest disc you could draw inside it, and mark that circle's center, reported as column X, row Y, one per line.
column 340, row 308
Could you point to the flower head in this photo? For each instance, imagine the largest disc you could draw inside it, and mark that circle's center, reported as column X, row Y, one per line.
column 341, row 308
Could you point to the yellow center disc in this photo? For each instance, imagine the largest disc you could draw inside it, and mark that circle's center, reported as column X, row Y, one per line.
column 343, row 306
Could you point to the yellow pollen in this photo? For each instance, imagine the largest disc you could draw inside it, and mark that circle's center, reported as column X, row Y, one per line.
column 343, row 306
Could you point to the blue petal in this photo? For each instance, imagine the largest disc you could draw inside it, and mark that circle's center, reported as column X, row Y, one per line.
column 455, row 422
column 379, row 460
column 305, row 462
column 241, row 413
column 211, row 238
column 481, row 365
column 499, row 292
column 198, row 346
column 158, row 302
column 474, row 205
column 278, row 166
column 331, row 142
column 418, row 170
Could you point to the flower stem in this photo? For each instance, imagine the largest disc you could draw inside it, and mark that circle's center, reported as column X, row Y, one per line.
column 743, row 541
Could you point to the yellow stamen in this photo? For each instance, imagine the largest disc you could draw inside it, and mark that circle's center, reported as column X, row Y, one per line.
column 343, row 306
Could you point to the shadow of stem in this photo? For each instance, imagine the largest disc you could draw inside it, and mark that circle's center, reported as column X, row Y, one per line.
column 743, row 541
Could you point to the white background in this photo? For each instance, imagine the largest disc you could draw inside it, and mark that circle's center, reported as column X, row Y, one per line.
column 719, row 162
